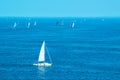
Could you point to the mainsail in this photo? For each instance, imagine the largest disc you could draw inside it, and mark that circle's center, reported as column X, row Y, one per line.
column 73, row 24
column 35, row 23
column 42, row 53
column 15, row 24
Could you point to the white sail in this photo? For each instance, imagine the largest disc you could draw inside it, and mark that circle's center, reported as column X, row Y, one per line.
column 35, row 23
column 42, row 53
column 15, row 24
column 73, row 24
column 28, row 25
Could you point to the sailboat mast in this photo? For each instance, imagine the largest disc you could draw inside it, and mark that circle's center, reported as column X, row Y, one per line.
column 49, row 55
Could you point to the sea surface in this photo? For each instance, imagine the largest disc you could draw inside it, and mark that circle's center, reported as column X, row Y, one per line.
column 88, row 51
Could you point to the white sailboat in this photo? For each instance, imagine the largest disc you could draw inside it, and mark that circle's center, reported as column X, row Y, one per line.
column 35, row 23
column 15, row 24
column 41, row 59
column 28, row 25
column 73, row 24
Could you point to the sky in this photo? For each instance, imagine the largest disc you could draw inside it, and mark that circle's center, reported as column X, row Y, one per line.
column 60, row 8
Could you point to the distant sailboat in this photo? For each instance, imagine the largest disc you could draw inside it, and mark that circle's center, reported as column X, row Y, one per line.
column 35, row 23
column 41, row 59
column 15, row 24
column 28, row 25
column 73, row 24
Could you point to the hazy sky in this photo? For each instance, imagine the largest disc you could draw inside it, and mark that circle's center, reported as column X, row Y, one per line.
column 60, row 8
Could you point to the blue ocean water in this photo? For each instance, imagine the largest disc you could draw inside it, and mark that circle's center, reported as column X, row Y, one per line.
column 89, row 51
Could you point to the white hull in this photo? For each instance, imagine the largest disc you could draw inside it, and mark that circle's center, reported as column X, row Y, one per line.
column 45, row 64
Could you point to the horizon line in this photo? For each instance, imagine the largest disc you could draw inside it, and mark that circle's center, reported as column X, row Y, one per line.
column 64, row 16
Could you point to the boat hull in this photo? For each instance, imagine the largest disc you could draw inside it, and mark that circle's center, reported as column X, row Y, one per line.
column 45, row 64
